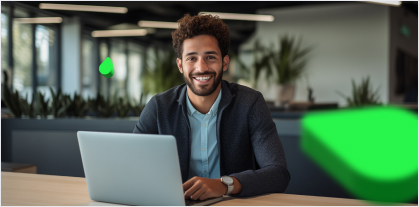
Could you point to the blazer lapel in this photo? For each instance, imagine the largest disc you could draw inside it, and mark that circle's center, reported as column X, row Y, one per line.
column 226, row 98
column 187, row 156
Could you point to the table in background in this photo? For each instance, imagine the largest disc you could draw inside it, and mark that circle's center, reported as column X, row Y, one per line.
column 18, row 167
column 24, row 189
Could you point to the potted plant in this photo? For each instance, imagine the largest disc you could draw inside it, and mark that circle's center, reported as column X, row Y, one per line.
column 163, row 75
column 362, row 94
column 12, row 101
column 285, row 67
column 260, row 62
column 103, row 107
column 58, row 103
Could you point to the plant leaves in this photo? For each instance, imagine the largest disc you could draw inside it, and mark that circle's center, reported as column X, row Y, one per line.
column 362, row 94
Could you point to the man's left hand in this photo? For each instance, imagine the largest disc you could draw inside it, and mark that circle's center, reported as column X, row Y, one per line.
column 203, row 188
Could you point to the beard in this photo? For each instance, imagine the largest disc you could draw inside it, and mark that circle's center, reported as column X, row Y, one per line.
column 207, row 90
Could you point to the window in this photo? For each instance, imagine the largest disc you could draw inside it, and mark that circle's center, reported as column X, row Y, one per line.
column 135, row 63
column 22, row 55
column 127, row 59
column 46, row 56
column 119, row 59
column 4, row 40
column 89, row 67
column 104, row 53
column 39, row 41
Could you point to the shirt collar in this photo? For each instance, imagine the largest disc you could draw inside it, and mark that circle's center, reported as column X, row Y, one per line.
column 212, row 111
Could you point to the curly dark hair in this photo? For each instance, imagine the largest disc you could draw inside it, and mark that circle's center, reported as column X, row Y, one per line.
column 203, row 24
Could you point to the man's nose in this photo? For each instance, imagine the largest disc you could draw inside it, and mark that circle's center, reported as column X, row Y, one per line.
column 201, row 65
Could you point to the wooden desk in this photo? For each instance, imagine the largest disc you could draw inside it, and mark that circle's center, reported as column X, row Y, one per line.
column 25, row 189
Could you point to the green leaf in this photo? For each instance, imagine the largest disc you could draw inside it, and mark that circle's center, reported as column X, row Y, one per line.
column 12, row 101
column 163, row 75
column 289, row 61
column 363, row 94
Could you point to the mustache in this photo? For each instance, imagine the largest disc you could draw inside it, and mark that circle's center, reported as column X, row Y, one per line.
column 198, row 74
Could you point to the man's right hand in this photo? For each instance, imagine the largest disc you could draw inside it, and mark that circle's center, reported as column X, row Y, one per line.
column 203, row 188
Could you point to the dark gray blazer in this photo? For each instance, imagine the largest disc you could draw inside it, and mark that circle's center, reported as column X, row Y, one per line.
column 247, row 139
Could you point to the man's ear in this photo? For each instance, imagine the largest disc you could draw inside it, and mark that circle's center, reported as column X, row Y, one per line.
column 179, row 64
column 226, row 60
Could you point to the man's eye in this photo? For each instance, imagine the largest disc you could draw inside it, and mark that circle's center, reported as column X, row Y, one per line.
column 211, row 57
column 190, row 58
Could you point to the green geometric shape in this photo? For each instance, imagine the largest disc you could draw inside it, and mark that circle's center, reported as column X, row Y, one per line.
column 106, row 68
column 371, row 151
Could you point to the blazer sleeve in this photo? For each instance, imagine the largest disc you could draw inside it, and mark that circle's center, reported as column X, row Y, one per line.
column 147, row 123
column 273, row 175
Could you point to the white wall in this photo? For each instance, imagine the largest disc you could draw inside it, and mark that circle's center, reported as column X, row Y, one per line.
column 350, row 40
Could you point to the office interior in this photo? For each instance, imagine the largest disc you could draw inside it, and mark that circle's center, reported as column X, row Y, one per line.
column 54, row 68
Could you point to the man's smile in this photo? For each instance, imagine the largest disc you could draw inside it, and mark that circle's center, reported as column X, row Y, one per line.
column 203, row 79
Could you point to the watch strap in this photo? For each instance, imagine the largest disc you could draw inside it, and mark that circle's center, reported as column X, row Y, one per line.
column 230, row 186
column 229, row 189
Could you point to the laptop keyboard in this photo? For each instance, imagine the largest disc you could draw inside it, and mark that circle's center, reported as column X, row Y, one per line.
column 209, row 201
column 189, row 202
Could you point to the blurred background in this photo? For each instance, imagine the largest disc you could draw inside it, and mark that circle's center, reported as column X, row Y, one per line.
column 301, row 56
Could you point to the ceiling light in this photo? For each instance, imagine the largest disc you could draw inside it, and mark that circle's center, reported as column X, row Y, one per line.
column 39, row 20
column 246, row 17
column 119, row 33
column 390, row 3
column 125, row 26
column 72, row 7
column 156, row 24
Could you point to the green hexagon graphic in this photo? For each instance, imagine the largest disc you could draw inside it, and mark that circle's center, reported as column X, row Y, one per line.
column 371, row 151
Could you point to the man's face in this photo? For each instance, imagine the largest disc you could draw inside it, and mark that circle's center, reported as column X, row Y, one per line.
column 202, row 64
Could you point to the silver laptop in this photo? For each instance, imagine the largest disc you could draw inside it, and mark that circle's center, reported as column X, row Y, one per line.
column 133, row 169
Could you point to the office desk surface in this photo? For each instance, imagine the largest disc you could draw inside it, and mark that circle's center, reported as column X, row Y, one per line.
column 25, row 189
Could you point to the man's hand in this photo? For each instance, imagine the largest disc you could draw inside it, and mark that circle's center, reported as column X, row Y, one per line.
column 203, row 188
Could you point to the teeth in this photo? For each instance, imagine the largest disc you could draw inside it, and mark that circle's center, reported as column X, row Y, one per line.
column 203, row 78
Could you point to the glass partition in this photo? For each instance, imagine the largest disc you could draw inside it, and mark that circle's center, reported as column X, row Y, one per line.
column 22, row 54
column 45, row 59
column 119, row 59
column 103, row 51
column 4, row 40
column 89, row 70
column 135, row 64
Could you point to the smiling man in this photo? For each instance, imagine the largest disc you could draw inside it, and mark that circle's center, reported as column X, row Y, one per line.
column 226, row 138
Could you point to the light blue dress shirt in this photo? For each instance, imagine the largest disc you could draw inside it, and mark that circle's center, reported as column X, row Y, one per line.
column 205, row 158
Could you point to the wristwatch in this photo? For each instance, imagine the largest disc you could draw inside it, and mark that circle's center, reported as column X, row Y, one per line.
column 229, row 182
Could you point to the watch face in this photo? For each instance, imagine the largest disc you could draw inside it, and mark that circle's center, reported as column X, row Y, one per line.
column 227, row 180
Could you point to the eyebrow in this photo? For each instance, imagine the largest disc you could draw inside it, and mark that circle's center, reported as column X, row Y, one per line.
column 195, row 53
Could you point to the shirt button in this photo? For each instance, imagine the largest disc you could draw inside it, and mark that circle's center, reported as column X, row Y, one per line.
column 203, row 125
column 205, row 171
column 203, row 149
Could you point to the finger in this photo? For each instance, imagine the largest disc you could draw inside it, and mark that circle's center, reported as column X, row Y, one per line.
column 189, row 183
column 197, row 185
column 197, row 195
column 204, row 195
